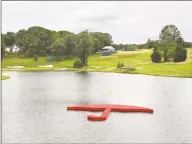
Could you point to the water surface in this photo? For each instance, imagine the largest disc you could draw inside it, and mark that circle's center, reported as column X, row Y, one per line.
column 34, row 108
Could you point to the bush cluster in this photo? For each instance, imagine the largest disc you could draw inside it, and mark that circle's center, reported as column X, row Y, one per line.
column 78, row 64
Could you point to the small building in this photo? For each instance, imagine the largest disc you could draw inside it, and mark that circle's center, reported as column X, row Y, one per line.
column 107, row 50
column 14, row 49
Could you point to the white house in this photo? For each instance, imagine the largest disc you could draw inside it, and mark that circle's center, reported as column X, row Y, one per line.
column 13, row 48
column 108, row 49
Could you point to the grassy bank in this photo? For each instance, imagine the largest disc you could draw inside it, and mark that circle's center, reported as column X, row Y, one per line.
column 139, row 59
column 4, row 77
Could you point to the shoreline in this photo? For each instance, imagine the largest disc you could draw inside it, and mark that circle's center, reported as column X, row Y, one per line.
column 140, row 61
column 4, row 77
column 88, row 70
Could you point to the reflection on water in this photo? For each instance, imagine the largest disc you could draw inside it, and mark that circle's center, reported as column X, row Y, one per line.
column 34, row 108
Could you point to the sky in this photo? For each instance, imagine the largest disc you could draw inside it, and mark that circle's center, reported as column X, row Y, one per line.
column 127, row 21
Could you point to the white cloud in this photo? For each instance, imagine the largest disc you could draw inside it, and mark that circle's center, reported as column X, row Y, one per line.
column 126, row 21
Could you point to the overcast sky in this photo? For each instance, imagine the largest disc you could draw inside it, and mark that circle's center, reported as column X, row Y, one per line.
column 126, row 21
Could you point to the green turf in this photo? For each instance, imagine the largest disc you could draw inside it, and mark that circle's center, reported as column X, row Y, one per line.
column 4, row 77
column 139, row 59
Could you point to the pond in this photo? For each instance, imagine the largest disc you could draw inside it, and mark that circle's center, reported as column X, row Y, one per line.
column 34, row 108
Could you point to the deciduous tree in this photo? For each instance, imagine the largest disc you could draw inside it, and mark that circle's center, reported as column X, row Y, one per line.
column 83, row 48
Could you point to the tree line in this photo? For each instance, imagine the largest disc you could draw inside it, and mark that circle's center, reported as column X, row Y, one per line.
column 40, row 42
column 170, row 46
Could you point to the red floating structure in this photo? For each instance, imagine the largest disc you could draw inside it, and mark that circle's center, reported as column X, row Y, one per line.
column 107, row 108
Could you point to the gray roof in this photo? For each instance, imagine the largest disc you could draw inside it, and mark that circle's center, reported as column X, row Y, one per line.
column 108, row 47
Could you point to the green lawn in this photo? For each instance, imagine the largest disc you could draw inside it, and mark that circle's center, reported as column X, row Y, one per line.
column 4, row 77
column 139, row 59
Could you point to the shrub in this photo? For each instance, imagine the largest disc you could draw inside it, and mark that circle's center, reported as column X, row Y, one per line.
column 78, row 64
column 120, row 65
column 155, row 57
column 35, row 57
column 180, row 55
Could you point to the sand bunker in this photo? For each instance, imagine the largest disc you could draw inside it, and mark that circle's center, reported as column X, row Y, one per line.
column 94, row 66
column 111, row 68
column 46, row 66
column 61, row 69
column 15, row 67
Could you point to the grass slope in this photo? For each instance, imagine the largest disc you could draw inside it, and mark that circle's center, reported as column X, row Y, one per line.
column 4, row 77
column 139, row 59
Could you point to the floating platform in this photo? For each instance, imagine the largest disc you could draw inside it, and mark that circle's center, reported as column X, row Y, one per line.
column 107, row 108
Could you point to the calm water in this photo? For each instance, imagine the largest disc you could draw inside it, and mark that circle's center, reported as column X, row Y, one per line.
column 34, row 108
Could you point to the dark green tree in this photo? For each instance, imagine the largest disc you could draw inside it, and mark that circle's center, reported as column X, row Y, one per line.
column 180, row 54
column 84, row 47
column 151, row 43
column 104, row 39
column 9, row 38
column 70, row 43
column 156, row 56
column 58, row 48
column 169, row 36
column 96, row 44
